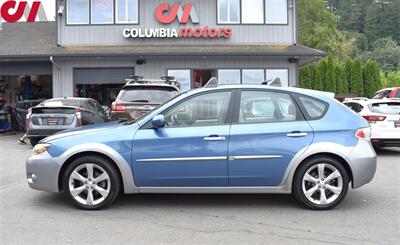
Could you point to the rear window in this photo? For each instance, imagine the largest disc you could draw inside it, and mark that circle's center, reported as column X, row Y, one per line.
column 147, row 94
column 391, row 108
column 64, row 102
column 314, row 108
column 398, row 94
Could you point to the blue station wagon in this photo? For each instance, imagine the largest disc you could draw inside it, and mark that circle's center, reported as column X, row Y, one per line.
column 225, row 139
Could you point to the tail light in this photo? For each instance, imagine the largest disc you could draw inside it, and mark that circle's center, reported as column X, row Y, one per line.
column 374, row 118
column 364, row 133
column 78, row 113
column 118, row 107
column 28, row 118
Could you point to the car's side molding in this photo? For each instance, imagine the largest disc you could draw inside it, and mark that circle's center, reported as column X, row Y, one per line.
column 182, row 159
column 123, row 166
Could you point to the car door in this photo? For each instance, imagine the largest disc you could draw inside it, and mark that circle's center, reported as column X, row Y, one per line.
column 191, row 150
column 268, row 131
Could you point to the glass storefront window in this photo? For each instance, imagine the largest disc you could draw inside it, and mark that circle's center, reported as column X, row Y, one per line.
column 229, row 76
column 102, row 11
column 276, row 11
column 183, row 77
column 253, row 76
column 282, row 74
column 252, row 11
column 228, row 11
column 127, row 11
column 78, row 12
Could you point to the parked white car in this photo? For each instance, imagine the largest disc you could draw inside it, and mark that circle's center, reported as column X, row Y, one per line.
column 384, row 118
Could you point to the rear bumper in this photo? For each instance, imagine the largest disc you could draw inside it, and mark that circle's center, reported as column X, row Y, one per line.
column 363, row 161
column 44, row 131
column 386, row 142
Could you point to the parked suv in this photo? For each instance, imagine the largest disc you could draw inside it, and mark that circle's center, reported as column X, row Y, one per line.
column 140, row 96
column 389, row 93
column 54, row 115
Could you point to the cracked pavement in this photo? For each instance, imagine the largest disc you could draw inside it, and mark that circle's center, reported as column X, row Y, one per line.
column 369, row 215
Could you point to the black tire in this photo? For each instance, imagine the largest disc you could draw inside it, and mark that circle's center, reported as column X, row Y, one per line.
column 297, row 188
column 115, row 182
column 34, row 141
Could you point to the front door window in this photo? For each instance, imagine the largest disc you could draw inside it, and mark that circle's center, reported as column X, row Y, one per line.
column 204, row 110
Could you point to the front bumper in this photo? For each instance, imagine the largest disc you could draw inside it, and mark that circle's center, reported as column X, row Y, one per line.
column 42, row 172
column 363, row 162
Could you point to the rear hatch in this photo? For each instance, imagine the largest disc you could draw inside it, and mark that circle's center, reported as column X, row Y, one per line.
column 386, row 115
column 135, row 101
column 53, row 116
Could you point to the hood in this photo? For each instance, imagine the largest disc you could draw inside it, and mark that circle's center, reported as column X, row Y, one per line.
column 89, row 129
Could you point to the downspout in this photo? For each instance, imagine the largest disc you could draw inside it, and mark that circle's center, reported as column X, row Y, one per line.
column 58, row 74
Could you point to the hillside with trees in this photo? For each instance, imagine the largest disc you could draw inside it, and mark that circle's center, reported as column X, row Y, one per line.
column 362, row 42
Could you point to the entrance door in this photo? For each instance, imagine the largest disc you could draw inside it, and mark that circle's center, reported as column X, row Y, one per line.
column 191, row 150
column 201, row 77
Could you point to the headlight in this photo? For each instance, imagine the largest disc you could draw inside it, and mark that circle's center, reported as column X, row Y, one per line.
column 39, row 149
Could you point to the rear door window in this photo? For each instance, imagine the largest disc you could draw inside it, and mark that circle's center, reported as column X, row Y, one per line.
column 266, row 107
column 313, row 108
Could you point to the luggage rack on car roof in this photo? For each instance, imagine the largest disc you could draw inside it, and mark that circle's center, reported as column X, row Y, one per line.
column 134, row 79
column 275, row 82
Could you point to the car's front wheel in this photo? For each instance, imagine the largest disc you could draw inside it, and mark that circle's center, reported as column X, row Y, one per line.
column 91, row 183
column 320, row 183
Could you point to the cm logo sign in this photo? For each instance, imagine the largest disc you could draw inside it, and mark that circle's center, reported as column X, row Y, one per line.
column 166, row 13
column 13, row 11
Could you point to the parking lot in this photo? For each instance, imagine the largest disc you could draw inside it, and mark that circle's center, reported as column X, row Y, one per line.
column 370, row 215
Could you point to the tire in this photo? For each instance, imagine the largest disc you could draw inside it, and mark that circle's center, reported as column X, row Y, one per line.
column 77, row 188
column 333, row 189
column 34, row 141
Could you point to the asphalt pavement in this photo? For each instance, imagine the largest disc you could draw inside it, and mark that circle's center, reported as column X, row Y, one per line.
column 369, row 215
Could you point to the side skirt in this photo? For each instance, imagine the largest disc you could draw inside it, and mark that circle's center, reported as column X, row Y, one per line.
column 216, row 190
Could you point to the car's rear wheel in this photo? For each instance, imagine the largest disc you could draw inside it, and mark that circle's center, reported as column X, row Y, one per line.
column 320, row 183
column 91, row 183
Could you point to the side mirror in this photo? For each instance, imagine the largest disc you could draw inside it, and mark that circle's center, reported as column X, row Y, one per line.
column 158, row 121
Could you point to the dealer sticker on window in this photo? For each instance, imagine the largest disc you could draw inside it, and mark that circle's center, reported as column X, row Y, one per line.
column 397, row 124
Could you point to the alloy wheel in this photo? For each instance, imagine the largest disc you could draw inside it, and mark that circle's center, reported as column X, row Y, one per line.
column 322, row 184
column 89, row 184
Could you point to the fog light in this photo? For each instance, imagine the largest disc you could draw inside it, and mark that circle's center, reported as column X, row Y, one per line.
column 31, row 178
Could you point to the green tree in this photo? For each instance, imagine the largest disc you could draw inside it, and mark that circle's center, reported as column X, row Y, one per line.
column 307, row 76
column 386, row 52
column 341, row 81
column 372, row 81
column 318, row 84
column 348, row 67
column 330, row 75
column 318, row 29
column 357, row 85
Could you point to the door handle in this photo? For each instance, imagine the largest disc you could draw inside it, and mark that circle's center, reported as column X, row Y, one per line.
column 296, row 134
column 214, row 138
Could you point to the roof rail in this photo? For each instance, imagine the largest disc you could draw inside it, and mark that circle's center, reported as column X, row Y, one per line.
column 212, row 83
column 275, row 82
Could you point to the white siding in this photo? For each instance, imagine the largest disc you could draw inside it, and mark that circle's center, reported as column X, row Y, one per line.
column 207, row 12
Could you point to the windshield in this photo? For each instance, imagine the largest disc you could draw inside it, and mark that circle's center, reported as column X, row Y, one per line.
column 391, row 108
column 147, row 94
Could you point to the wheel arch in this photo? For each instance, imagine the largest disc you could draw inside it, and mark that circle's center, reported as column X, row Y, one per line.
column 337, row 157
column 122, row 166
column 85, row 154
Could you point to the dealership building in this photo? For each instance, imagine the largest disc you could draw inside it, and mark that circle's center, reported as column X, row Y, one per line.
column 95, row 44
